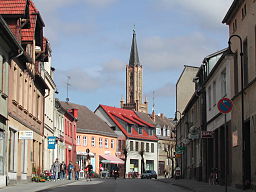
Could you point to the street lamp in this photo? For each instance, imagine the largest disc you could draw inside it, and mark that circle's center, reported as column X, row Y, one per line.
column 242, row 95
column 176, row 120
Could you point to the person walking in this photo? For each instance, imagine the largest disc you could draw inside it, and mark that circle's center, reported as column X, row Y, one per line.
column 76, row 170
column 63, row 169
column 70, row 170
column 88, row 169
column 55, row 169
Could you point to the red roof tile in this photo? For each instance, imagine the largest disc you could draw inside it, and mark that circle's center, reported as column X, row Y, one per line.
column 12, row 7
column 129, row 117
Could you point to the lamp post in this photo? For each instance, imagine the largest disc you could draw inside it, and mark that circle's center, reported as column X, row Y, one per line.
column 242, row 97
column 176, row 120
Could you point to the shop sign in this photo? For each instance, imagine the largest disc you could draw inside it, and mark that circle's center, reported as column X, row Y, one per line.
column 177, row 155
column 206, row 134
column 25, row 134
column 51, row 142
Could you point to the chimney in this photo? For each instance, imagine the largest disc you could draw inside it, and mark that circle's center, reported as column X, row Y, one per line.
column 122, row 102
column 74, row 112
column 161, row 115
column 153, row 116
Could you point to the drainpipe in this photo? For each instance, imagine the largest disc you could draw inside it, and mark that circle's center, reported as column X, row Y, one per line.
column 43, row 129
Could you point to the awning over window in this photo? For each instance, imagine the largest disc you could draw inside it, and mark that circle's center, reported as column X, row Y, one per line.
column 111, row 159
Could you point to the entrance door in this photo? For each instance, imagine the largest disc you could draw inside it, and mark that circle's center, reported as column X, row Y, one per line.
column 247, row 156
column 161, row 168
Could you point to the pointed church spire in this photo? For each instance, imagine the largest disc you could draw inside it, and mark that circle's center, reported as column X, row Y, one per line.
column 134, row 56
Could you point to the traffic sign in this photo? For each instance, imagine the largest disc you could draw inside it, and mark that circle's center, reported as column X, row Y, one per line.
column 225, row 105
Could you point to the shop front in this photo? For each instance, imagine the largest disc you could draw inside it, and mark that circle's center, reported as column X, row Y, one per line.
column 108, row 163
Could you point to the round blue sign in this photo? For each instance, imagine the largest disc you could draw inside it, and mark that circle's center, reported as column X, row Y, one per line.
column 225, row 105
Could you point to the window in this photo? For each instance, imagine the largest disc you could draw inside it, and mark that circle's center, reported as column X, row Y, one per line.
column 2, row 144
column 168, row 133
column 158, row 131
column 119, row 148
column 100, row 142
column 140, row 130
column 235, row 74
column 78, row 140
column 147, row 147
column 244, row 11
column 234, row 26
column 85, row 140
column 164, row 132
column 152, row 147
column 209, row 98
column 245, row 50
column 136, row 146
column 112, row 143
column 93, row 141
column 131, row 145
column 150, row 131
column 70, row 128
column 3, row 79
column 214, row 93
column 12, row 140
column 142, row 146
column 223, row 83
column 129, row 129
column 106, row 143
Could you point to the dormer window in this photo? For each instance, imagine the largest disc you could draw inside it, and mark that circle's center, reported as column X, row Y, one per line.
column 140, row 130
column 129, row 128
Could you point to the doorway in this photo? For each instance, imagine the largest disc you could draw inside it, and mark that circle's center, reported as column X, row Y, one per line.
column 246, row 155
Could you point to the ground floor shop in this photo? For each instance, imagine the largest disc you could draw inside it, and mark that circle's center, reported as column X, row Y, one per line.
column 3, row 140
column 24, row 152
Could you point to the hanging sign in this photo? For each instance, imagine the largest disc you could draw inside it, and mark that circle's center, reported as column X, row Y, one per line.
column 51, row 142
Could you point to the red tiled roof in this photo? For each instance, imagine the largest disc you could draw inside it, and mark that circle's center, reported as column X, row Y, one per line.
column 12, row 7
column 129, row 117
column 29, row 34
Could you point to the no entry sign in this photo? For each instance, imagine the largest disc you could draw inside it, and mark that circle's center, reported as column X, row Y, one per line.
column 225, row 105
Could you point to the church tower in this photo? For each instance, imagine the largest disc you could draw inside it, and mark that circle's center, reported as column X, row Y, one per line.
column 134, row 81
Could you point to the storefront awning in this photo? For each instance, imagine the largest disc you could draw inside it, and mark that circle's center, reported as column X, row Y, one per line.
column 111, row 159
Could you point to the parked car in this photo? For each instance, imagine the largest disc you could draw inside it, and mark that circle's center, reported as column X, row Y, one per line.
column 149, row 174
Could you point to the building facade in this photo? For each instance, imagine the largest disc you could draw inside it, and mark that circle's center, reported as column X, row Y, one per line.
column 137, row 143
column 49, row 105
column 95, row 135
column 9, row 49
column 70, row 126
column 59, row 112
column 241, row 20
column 26, row 92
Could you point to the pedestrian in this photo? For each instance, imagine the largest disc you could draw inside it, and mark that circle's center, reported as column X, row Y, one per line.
column 63, row 169
column 70, row 170
column 76, row 170
column 55, row 169
column 88, row 169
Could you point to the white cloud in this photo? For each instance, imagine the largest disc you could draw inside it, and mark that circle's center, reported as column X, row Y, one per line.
column 159, row 54
column 209, row 13
column 167, row 90
column 80, row 80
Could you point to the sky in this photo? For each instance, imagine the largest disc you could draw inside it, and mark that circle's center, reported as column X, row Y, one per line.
column 91, row 42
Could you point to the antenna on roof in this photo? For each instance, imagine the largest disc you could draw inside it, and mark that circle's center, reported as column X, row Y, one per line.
column 153, row 109
column 68, row 84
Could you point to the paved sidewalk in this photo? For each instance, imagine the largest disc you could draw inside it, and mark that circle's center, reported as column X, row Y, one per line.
column 33, row 186
column 197, row 186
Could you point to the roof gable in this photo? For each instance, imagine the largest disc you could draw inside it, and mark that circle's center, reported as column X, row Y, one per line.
column 130, row 117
